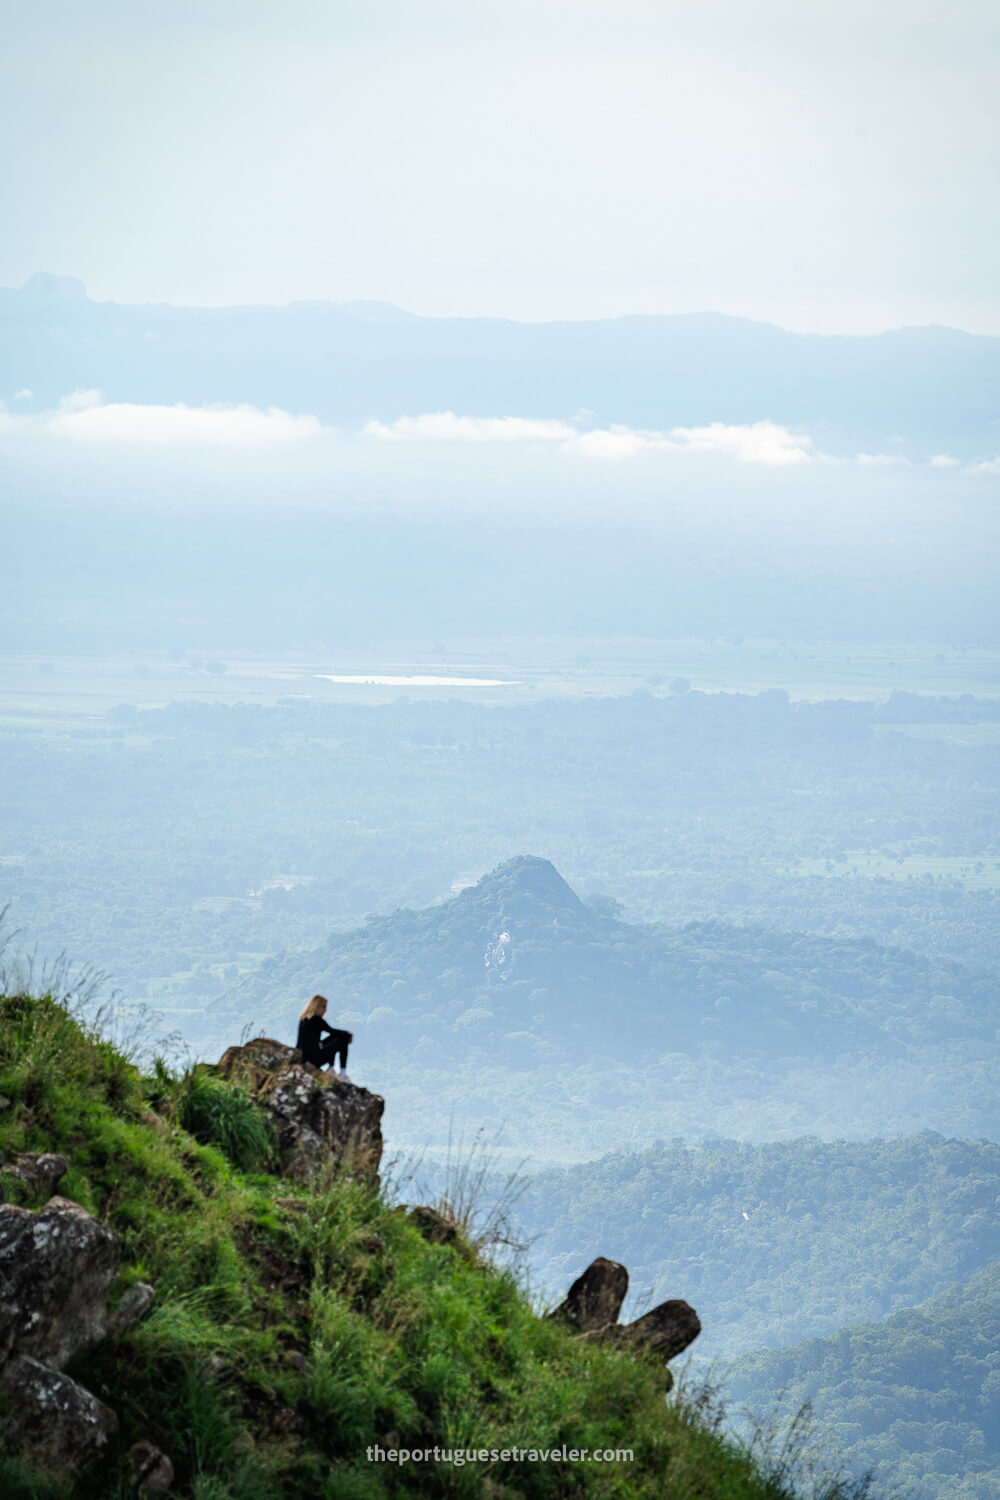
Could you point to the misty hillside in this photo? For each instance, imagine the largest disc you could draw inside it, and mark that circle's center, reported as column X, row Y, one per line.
column 915, row 1398
column 518, row 963
column 776, row 1242
column 914, row 390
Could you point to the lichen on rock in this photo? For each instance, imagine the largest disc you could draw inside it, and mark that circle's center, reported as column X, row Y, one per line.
column 56, row 1419
column 57, row 1265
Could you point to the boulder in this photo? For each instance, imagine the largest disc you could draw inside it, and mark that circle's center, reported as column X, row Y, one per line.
column 133, row 1306
column 594, row 1302
column 595, row 1298
column 323, row 1121
column 54, row 1418
column 663, row 1333
column 150, row 1470
column 260, row 1056
column 41, row 1172
column 434, row 1225
column 57, row 1265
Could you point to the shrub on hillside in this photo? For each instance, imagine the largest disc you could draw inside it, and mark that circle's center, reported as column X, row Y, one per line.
column 219, row 1113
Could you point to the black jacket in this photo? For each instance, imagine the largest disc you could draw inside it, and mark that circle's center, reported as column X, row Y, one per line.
column 310, row 1035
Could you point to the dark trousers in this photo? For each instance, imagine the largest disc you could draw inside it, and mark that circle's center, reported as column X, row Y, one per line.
column 333, row 1045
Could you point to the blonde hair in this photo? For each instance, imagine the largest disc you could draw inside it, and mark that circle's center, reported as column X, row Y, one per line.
column 315, row 1007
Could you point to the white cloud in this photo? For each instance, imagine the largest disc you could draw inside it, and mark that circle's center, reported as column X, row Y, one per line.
column 757, row 442
column 22, row 395
column 126, row 422
column 85, row 417
column 446, row 427
column 616, row 442
column 989, row 466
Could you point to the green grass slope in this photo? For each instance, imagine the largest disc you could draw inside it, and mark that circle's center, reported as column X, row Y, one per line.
column 296, row 1327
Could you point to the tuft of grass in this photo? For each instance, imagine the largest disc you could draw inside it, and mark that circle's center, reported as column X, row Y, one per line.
column 473, row 1190
column 217, row 1112
column 22, row 1481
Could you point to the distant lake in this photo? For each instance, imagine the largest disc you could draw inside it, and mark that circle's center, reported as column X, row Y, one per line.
column 380, row 681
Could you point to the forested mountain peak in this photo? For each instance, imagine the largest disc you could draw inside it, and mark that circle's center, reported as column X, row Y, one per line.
column 519, row 964
column 525, row 881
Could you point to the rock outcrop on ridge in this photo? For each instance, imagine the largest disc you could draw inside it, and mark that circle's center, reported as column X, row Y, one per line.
column 664, row 1332
column 595, row 1298
column 322, row 1121
column 57, row 1264
column 594, row 1301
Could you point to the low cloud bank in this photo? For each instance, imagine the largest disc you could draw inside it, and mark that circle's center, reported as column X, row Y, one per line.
column 87, row 418
column 758, row 442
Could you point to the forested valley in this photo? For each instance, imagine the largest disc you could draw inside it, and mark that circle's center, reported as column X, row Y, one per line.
column 914, row 1400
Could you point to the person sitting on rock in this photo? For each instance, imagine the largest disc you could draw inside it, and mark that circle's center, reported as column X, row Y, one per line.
column 319, row 1050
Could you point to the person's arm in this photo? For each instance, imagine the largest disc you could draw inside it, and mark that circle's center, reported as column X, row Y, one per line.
column 325, row 1025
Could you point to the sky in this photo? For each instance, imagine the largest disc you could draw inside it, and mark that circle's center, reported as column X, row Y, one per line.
column 828, row 165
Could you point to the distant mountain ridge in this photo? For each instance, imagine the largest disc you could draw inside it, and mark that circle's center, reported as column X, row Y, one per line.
column 912, row 390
